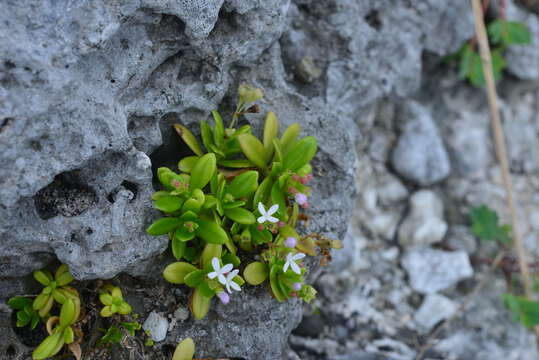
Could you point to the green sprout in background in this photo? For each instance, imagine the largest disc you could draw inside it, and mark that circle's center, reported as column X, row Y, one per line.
column 485, row 225
column 501, row 33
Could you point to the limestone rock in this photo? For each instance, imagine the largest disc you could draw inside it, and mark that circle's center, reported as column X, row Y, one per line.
column 420, row 155
column 432, row 270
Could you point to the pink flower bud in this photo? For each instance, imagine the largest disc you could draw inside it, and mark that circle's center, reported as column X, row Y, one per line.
column 305, row 205
column 260, row 227
column 281, row 224
column 301, row 198
column 292, row 190
column 297, row 286
column 224, row 297
column 176, row 183
column 294, row 294
column 295, row 177
column 290, row 242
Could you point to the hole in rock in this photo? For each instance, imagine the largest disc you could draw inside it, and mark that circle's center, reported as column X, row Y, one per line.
column 66, row 196
column 28, row 337
column 173, row 149
column 11, row 351
column 125, row 188
column 373, row 19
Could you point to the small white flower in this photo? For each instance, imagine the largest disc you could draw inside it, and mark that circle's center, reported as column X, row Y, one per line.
column 291, row 262
column 230, row 283
column 266, row 215
column 219, row 272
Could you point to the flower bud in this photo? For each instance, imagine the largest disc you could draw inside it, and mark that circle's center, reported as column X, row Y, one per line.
column 224, row 297
column 290, row 242
column 297, row 286
column 301, row 198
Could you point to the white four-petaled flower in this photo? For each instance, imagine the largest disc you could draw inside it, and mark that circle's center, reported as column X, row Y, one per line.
column 219, row 272
column 291, row 262
column 230, row 283
column 266, row 215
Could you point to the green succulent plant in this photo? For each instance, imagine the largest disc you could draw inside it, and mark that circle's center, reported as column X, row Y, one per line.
column 112, row 298
column 55, row 288
column 26, row 313
column 237, row 194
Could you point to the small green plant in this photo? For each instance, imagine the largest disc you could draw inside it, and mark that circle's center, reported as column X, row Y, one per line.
column 111, row 297
column 115, row 333
column 501, row 33
column 485, row 225
column 26, row 313
column 64, row 328
column 242, row 195
column 524, row 310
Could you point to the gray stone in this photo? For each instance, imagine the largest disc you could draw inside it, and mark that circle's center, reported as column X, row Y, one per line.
column 434, row 309
column 460, row 237
column 157, row 326
column 420, row 155
column 424, row 224
column 432, row 270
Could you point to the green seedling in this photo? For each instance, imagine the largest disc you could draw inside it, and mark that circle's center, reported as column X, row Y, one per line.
column 485, row 225
column 26, row 315
column 111, row 297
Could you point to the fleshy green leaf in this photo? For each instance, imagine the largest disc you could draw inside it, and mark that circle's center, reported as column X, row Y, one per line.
column 19, row 302
column 210, row 251
column 275, row 287
column 190, row 139
column 185, row 350
column 253, row 149
column 199, row 304
column 175, row 273
column 271, row 130
column 256, row 273
column 263, row 192
column 69, row 335
column 218, row 130
column 44, row 277
column 206, row 134
column 67, row 313
column 240, row 215
column 187, row 163
column 194, row 278
column 49, row 347
column 289, row 136
column 163, row 226
column 243, row 185
column 178, row 248
column 169, row 203
column 300, row 153
column 211, row 232
column 203, row 171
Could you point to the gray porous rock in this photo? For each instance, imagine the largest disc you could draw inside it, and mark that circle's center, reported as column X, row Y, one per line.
column 432, row 270
column 419, row 155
